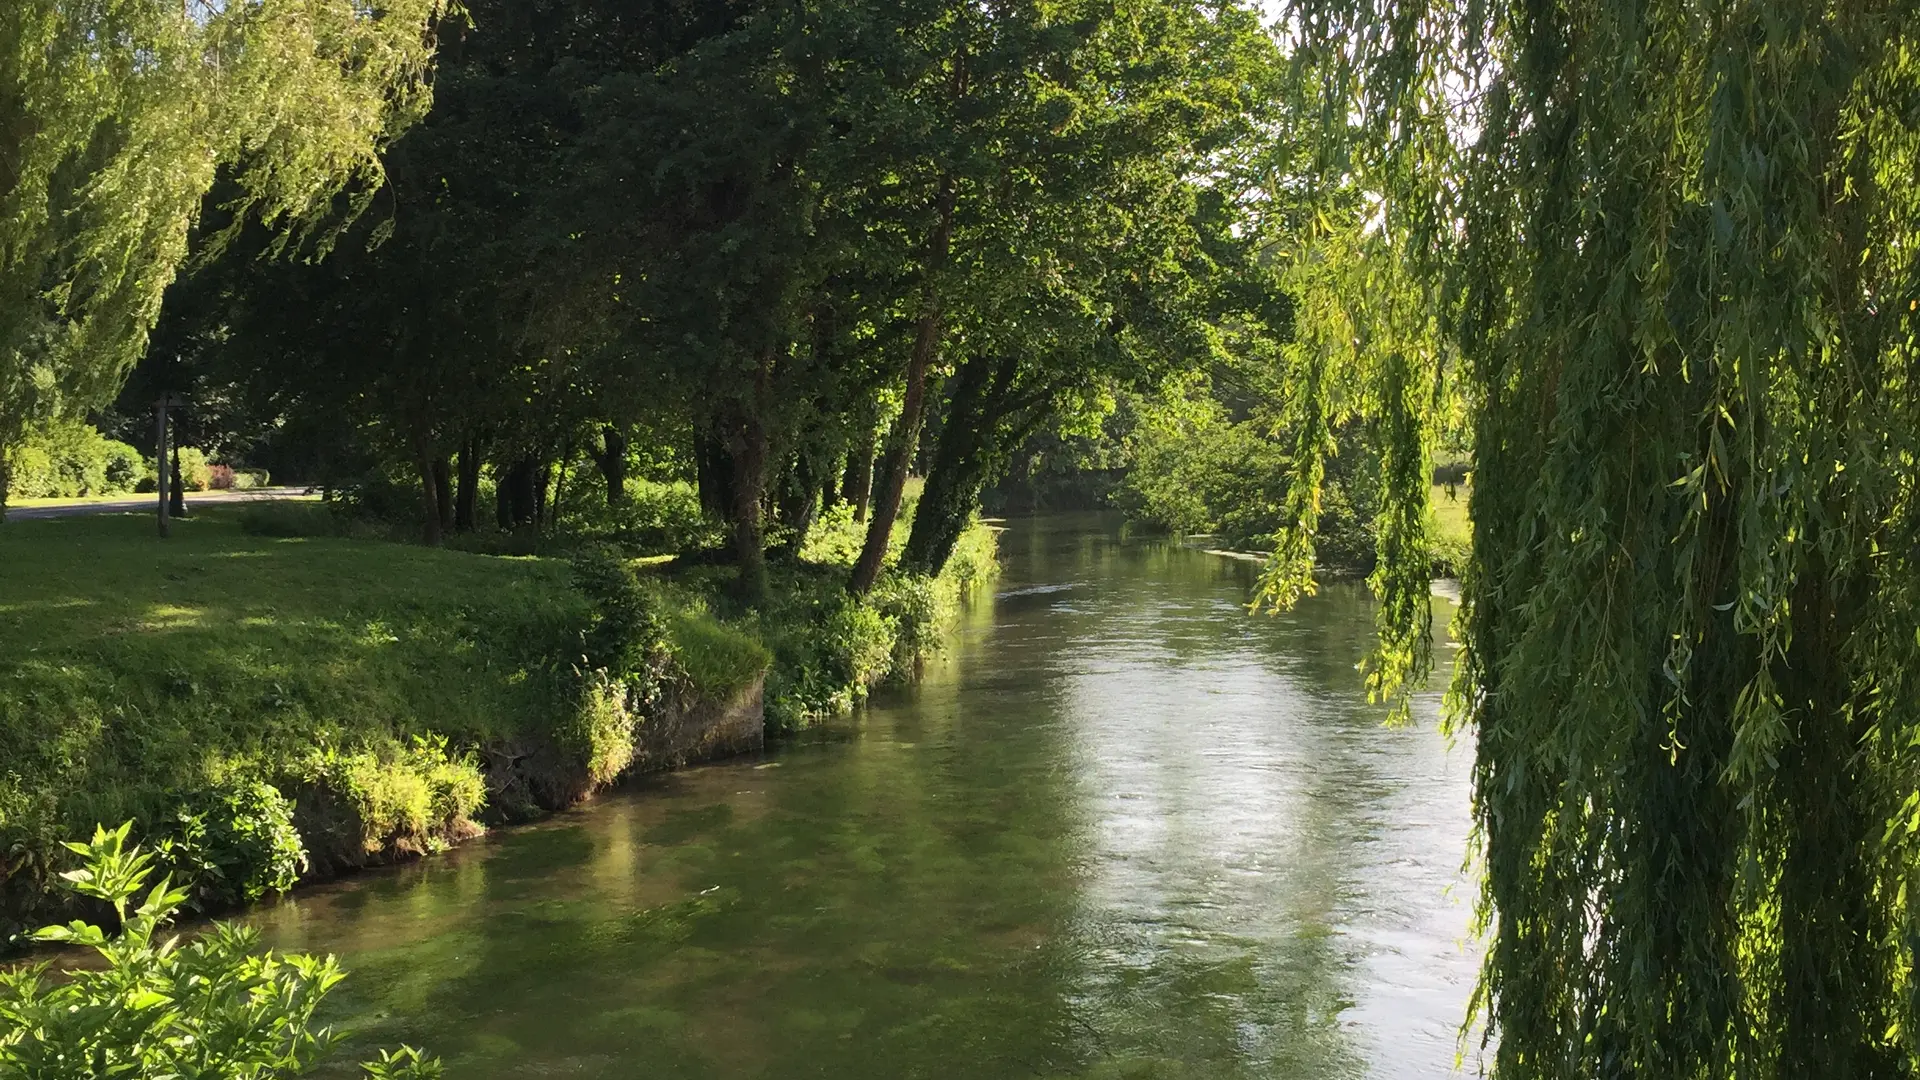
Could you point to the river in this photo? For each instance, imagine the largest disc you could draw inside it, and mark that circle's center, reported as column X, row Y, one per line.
column 1120, row 830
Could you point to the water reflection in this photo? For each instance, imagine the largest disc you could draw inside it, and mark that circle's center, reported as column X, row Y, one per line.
column 1123, row 830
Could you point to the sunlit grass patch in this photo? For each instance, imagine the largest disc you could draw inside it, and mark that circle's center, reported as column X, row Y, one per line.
column 133, row 669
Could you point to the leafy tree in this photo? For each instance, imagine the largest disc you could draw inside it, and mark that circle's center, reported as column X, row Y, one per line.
column 116, row 119
column 1102, row 261
column 1673, row 244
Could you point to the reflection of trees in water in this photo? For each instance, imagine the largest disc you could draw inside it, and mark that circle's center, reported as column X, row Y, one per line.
column 1220, row 817
column 958, row 893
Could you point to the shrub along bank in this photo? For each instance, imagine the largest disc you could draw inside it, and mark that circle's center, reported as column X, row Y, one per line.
column 265, row 708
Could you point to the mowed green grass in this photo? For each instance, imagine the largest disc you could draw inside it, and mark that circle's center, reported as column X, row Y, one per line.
column 1452, row 526
column 132, row 668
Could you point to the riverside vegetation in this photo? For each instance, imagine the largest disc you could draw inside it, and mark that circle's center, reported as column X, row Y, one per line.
column 266, row 708
column 1646, row 267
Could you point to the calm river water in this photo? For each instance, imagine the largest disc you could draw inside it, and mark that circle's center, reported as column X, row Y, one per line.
column 1121, row 830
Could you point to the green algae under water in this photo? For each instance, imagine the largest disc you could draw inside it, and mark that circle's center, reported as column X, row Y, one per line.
column 1121, row 830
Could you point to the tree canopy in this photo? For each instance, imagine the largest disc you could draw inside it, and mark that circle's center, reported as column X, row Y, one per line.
column 116, row 120
column 1668, row 249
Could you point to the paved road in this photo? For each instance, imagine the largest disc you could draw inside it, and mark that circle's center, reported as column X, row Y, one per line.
column 145, row 503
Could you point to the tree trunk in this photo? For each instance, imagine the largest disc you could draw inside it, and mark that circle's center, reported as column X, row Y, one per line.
column 749, row 449
column 800, row 498
column 830, row 495
column 177, row 507
column 612, row 459
column 443, row 492
column 523, row 505
column 965, row 453
column 857, row 488
column 542, row 486
column 713, row 472
column 467, row 494
column 429, row 500
column 905, row 437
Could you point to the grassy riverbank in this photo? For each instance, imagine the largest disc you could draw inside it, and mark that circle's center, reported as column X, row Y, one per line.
column 219, row 687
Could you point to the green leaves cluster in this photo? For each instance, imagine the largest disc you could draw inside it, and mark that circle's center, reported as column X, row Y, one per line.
column 1672, row 244
column 209, row 1008
column 118, row 118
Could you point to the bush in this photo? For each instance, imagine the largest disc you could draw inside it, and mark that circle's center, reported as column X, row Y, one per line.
column 195, row 473
column 220, row 477
column 600, row 734
column 234, row 844
column 656, row 518
column 126, row 467
column 835, row 538
column 248, row 479
column 63, row 459
column 628, row 633
column 418, row 793
column 975, row 559
column 913, row 605
column 211, row 1007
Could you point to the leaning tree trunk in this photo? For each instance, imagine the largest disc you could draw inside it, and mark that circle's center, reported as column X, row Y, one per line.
column 905, row 437
column 962, row 458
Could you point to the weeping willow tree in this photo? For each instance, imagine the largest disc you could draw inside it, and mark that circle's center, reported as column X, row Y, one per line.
column 1668, row 249
column 116, row 119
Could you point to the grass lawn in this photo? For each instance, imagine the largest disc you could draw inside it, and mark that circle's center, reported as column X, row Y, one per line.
column 133, row 668
column 140, row 677
column 147, row 496
column 1452, row 529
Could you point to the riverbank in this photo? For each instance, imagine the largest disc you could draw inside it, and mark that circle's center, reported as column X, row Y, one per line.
column 1121, row 829
column 273, row 708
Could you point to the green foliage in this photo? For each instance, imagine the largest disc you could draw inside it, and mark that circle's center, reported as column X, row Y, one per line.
column 1194, row 470
column 975, row 560
column 249, row 479
column 120, row 121
column 599, row 734
column 211, row 1007
column 655, row 518
column 716, row 660
column 286, row 519
column 419, row 791
column 629, row 628
column 131, row 672
column 1670, row 281
column 915, row 609
column 835, row 538
column 830, row 649
column 234, row 843
column 58, row 459
column 195, row 473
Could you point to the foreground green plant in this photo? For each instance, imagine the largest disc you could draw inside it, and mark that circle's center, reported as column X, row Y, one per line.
column 210, row 1008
